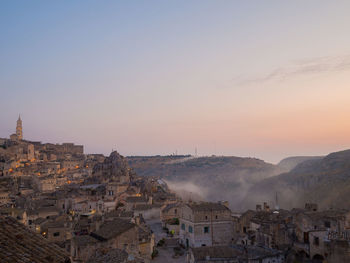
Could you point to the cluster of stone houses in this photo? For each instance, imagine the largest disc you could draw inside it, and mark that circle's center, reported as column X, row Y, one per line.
column 92, row 207
column 214, row 234
column 87, row 218
column 87, row 205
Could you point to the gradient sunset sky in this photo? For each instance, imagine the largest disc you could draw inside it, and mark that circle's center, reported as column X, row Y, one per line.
column 265, row 79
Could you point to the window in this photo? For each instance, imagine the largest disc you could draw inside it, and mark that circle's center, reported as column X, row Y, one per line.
column 190, row 229
column 306, row 237
column 316, row 241
column 327, row 224
column 206, row 217
column 216, row 217
column 56, row 234
column 175, row 211
column 206, row 229
column 183, row 226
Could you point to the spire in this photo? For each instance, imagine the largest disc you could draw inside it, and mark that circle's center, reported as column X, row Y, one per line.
column 19, row 130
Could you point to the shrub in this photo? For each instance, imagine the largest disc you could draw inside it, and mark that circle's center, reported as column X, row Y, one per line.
column 154, row 253
column 161, row 242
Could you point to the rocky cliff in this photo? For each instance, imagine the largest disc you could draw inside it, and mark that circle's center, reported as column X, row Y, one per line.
column 210, row 178
column 114, row 168
column 325, row 181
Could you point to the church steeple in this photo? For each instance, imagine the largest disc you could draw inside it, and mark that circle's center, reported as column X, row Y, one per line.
column 19, row 130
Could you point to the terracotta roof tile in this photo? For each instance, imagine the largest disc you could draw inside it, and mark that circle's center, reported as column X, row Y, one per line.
column 18, row 245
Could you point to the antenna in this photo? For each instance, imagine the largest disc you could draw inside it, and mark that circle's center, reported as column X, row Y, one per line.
column 276, row 202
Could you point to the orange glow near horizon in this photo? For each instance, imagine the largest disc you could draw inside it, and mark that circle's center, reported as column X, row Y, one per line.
column 235, row 78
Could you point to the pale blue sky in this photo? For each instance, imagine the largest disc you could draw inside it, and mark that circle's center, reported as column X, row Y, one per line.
column 252, row 78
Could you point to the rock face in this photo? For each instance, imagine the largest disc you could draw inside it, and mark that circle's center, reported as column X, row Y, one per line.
column 114, row 168
column 324, row 181
column 290, row 163
column 212, row 178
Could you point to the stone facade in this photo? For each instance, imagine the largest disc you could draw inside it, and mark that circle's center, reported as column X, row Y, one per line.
column 205, row 224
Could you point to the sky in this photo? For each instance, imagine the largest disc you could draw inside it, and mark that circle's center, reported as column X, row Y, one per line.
column 265, row 79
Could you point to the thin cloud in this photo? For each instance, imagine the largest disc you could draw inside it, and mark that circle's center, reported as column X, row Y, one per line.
column 300, row 68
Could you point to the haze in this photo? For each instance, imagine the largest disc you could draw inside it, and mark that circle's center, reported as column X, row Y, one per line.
column 267, row 79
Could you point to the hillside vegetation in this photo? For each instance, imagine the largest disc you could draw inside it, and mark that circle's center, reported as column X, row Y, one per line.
column 325, row 181
column 290, row 163
column 210, row 178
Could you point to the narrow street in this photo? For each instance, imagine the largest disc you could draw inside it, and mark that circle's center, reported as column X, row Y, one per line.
column 165, row 253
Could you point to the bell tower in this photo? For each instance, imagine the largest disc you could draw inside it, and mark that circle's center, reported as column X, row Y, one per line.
column 19, row 130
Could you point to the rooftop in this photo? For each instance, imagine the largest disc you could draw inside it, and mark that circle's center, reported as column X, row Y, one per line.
column 235, row 251
column 18, row 244
column 113, row 228
column 135, row 199
column 208, row 207
column 169, row 206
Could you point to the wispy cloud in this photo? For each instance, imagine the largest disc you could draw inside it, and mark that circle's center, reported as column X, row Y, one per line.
column 299, row 68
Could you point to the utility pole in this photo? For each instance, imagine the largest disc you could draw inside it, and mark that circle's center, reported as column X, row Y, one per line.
column 211, row 226
column 276, row 205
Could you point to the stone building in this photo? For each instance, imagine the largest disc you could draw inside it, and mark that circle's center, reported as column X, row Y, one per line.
column 114, row 189
column 115, row 234
column 4, row 197
column 272, row 229
column 170, row 211
column 132, row 201
column 234, row 254
column 205, row 224
column 319, row 234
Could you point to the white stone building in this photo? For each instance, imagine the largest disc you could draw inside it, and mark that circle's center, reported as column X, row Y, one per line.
column 205, row 224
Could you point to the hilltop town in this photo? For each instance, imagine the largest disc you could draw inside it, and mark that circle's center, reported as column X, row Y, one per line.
column 58, row 204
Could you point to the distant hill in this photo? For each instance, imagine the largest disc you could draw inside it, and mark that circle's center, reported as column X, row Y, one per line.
column 211, row 178
column 291, row 162
column 325, row 181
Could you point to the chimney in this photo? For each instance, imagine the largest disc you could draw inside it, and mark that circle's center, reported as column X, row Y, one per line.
column 266, row 207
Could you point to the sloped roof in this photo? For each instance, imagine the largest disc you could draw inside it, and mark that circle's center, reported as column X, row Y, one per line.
column 238, row 252
column 18, row 244
column 169, row 206
column 84, row 240
column 109, row 256
column 219, row 252
column 136, row 199
column 207, row 207
column 119, row 213
column 113, row 228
